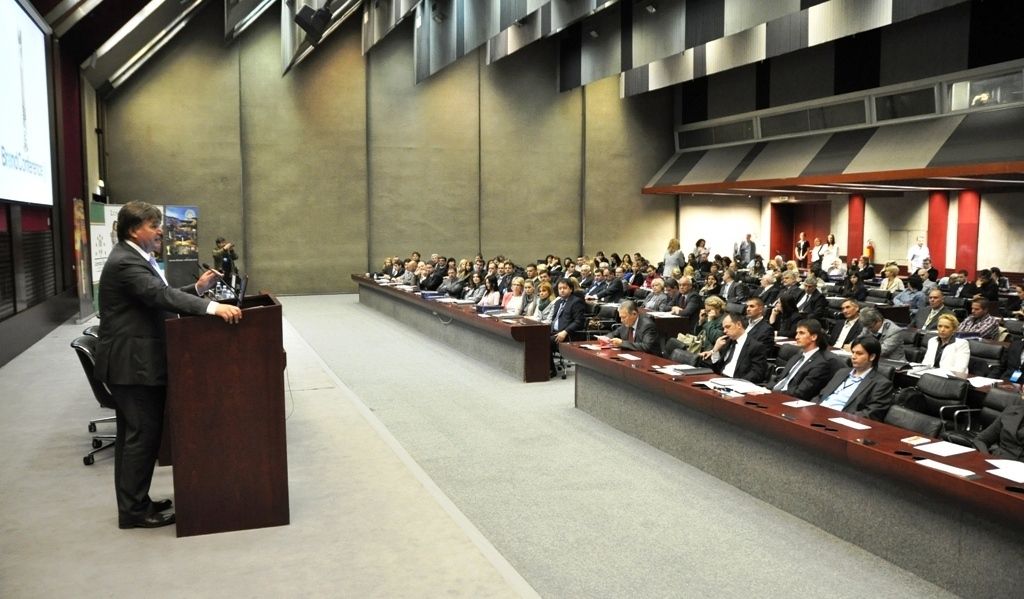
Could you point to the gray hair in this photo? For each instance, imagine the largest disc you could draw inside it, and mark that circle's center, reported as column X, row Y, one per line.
column 629, row 306
column 870, row 317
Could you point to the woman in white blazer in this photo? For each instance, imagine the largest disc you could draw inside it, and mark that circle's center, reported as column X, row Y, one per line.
column 955, row 354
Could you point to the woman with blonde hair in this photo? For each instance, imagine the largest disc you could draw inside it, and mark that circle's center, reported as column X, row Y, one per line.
column 513, row 300
column 674, row 258
column 657, row 300
column 892, row 282
column 945, row 350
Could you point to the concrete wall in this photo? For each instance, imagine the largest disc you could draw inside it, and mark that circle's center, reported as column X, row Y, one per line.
column 345, row 160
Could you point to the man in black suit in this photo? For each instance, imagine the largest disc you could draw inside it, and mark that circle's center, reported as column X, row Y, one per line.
column 504, row 277
column 862, row 390
column 961, row 287
column 736, row 354
column 637, row 332
column 769, row 290
column 812, row 303
column 807, row 372
column 1013, row 362
column 927, row 319
column 841, row 336
column 757, row 325
column 616, row 287
column 687, row 303
column 131, row 358
column 1005, row 436
column 568, row 316
column 431, row 278
column 597, row 286
column 586, row 277
column 790, row 285
column 733, row 291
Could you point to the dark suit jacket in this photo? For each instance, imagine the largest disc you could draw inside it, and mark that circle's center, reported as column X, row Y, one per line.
column 867, row 273
column 432, row 282
column 596, row 288
column 752, row 364
column 859, row 292
column 613, row 292
column 838, row 328
column 815, row 306
column 812, row 376
column 587, row 282
column 965, row 291
column 1011, row 358
column 646, row 338
column 1005, row 436
column 763, row 332
column 134, row 303
column 737, row 292
column 690, row 303
column 922, row 315
column 574, row 315
column 769, row 295
column 871, row 399
column 989, row 291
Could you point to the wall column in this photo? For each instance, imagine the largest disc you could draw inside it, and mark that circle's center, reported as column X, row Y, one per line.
column 938, row 220
column 968, row 211
column 855, row 228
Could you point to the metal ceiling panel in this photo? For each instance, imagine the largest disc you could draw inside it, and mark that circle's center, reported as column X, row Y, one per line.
column 239, row 14
column 785, row 158
column 904, row 146
column 715, row 165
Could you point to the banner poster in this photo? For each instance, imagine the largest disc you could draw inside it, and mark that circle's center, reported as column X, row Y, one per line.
column 83, row 280
column 181, row 244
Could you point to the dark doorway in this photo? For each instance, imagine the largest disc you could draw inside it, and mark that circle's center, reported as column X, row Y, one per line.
column 790, row 218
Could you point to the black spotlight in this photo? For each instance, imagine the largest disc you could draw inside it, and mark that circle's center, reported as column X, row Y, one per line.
column 313, row 22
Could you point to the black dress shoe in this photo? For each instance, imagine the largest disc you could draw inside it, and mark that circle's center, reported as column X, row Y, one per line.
column 151, row 521
column 160, row 506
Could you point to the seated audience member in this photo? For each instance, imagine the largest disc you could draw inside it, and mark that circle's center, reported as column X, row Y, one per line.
column 892, row 281
column 912, row 295
column 959, row 286
column 475, row 290
column 854, row 288
column 388, row 268
column 792, row 267
column 687, row 302
column 408, row 276
column 769, row 289
column 732, row 291
column 1005, row 436
column 1013, row 362
column 568, row 316
column 865, row 269
column 735, row 354
column 945, row 350
column 531, row 274
column 928, row 318
column 514, row 300
column 932, row 272
column 586, row 276
column 885, row 331
column 842, row 336
column 616, row 286
column 980, row 323
column 599, row 285
column 986, row 287
column 757, row 325
column 529, row 294
column 657, row 300
column 807, row 372
column 790, row 285
column 636, row 331
column 861, row 390
column 785, row 315
column 1015, row 305
column 837, row 271
column 540, row 307
column 1002, row 283
column 926, row 283
column 450, row 284
column 491, row 295
column 431, row 279
column 651, row 273
column 707, row 330
column 812, row 303
column 710, row 287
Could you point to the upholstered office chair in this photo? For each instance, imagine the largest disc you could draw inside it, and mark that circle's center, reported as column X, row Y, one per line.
column 911, row 420
column 85, row 348
column 93, row 331
column 986, row 359
column 939, row 397
column 969, row 422
column 1014, row 329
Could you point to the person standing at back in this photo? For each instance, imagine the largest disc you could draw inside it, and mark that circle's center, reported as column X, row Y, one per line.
column 131, row 358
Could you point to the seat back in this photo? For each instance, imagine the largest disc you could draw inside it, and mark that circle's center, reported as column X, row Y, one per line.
column 682, row 356
column 85, row 349
column 939, row 391
column 879, row 296
column 93, row 331
column 888, row 371
column 1014, row 328
column 954, row 302
column 986, row 358
column 836, row 363
column 786, row 352
column 904, row 417
column 996, row 400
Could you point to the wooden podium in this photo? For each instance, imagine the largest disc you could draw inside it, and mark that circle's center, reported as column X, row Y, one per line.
column 225, row 420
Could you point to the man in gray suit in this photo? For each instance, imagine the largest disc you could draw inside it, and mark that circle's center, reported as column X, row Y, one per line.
column 637, row 332
column 862, row 390
column 131, row 359
column 885, row 331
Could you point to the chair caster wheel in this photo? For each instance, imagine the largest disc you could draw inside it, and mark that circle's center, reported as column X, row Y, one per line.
column 92, row 427
column 88, row 460
column 96, row 443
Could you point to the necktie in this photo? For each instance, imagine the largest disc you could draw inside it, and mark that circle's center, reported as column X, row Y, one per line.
column 556, row 324
column 152, row 262
column 630, row 336
column 803, row 300
column 931, row 315
column 728, row 353
column 781, row 385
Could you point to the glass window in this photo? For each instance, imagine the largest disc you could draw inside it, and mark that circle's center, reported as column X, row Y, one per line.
column 1002, row 89
column 905, row 104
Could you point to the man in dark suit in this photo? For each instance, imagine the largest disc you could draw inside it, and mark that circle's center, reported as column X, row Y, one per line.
column 687, row 303
column 1013, row 362
column 733, row 291
column 597, row 286
column 431, row 279
column 736, row 354
column 504, row 277
column 862, row 390
column 807, row 372
column 757, row 325
column 637, row 332
column 616, row 287
column 586, row 277
column 928, row 318
column 769, row 290
column 1005, row 436
column 961, row 287
column 131, row 358
column 843, row 335
column 568, row 316
column 812, row 304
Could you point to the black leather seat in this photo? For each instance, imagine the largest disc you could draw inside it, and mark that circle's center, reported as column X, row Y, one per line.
column 879, row 296
column 970, row 422
column 911, row 420
column 85, row 349
column 939, row 397
column 1014, row 329
column 986, row 359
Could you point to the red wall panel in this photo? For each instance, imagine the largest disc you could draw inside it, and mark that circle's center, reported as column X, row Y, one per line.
column 968, row 211
column 938, row 222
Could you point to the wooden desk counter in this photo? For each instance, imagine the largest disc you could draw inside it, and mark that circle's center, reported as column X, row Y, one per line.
column 862, row 485
column 517, row 345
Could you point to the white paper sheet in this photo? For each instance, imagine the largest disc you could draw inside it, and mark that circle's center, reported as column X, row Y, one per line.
column 850, row 423
column 945, row 467
column 1016, row 476
column 981, row 381
column 945, row 448
column 663, row 315
column 591, row 346
column 798, row 403
column 628, row 357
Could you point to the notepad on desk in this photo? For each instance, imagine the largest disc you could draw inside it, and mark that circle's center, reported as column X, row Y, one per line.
column 798, row 403
column 850, row 423
column 945, row 448
column 946, row 468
